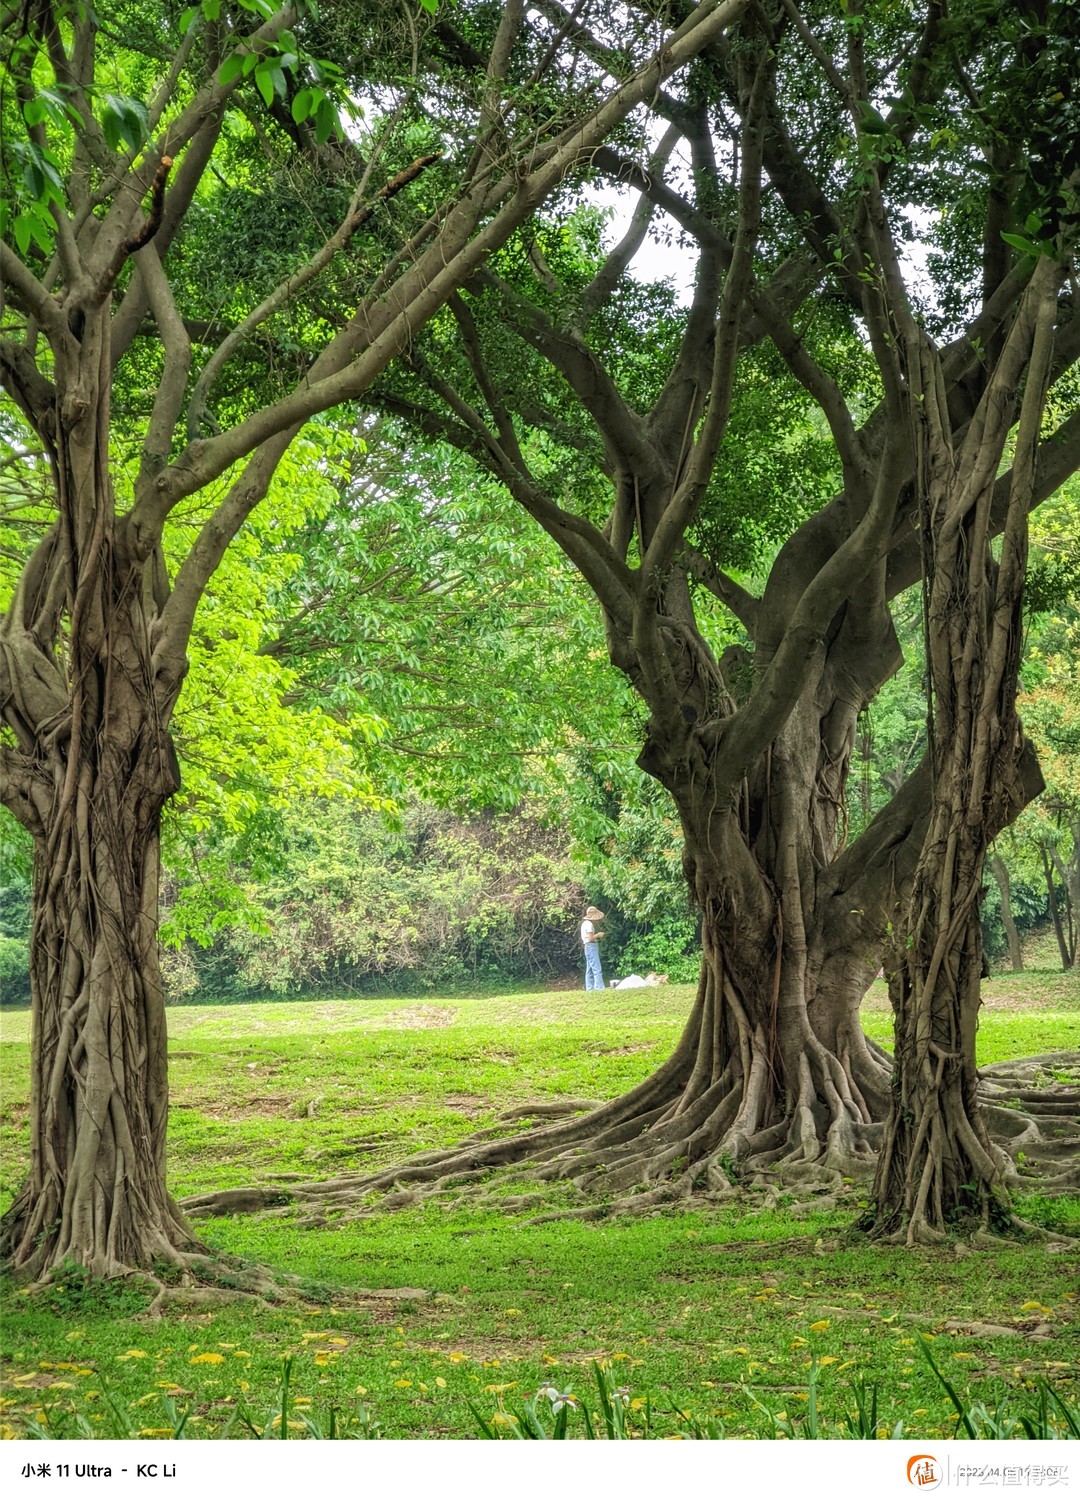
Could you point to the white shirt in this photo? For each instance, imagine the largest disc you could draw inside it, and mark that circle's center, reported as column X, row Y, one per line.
column 588, row 932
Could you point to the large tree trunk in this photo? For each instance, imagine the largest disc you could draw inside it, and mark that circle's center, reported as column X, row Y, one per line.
column 91, row 773
column 938, row 1170
column 96, row 1191
column 782, row 1077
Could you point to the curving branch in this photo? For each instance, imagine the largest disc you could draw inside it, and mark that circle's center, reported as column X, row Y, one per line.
column 141, row 236
column 354, row 359
column 32, row 392
column 1057, row 458
column 357, row 216
column 587, row 548
column 618, row 259
column 470, row 339
column 660, row 549
column 580, row 367
column 30, row 295
column 742, row 604
column 129, row 316
column 737, row 740
column 129, row 186
column 693, row 371
column 169, row 397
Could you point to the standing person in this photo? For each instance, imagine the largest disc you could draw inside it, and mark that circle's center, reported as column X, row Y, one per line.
column 594, row 975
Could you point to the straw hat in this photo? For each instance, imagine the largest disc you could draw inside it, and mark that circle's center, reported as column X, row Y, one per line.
column 594, row 914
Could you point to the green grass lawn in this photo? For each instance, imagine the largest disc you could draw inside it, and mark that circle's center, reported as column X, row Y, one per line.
column 704, row 1311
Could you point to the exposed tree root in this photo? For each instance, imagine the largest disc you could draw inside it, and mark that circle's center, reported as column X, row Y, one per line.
column 693, row 1128
column 1032, row 1108
column 195, row 1279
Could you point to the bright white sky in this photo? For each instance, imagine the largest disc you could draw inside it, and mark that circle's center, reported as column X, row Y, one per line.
column 660, row 261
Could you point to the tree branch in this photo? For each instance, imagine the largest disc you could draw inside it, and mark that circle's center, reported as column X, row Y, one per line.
column 357, row 216
column 677, row 515
column 169, row 397
column 129, row 316
column 34, row 395
column 578, row 364
column 613, row 267
column 737, row 740
column 742, row 604
column 29, row 294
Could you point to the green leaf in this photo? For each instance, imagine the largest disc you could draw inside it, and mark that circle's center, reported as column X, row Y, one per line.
column 232, row 67
column 124, row 121
column 264, row 82
column 303, row 105
column 1020, row 242
column 871, row 121
column 32, row 225
column 22, row 232
column 326, row 121
column 56, row 108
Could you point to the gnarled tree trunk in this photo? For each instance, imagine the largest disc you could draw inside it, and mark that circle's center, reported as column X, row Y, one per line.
column 91, row 772
column 938, row 1169
column 99, row 1097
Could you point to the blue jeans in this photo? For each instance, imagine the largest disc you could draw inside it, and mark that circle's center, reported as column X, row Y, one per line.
column 594, row 975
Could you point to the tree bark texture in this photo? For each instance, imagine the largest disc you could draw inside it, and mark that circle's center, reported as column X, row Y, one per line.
column 91, row 772
column 938, row 1169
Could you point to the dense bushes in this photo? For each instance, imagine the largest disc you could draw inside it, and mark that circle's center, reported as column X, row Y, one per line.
column 356, row 905
column 329, row 897
column 14, row 972
column 14, row 935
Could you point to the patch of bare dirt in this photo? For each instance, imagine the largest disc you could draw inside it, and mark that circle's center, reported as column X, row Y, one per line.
column 268, row 1104
column 418, row 1018
column 623, row 1052
column 467, row 1104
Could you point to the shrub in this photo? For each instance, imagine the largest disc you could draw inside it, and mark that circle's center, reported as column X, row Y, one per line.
column 14, row 972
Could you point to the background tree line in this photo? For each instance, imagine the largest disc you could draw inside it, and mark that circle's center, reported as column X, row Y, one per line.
column 324, row 892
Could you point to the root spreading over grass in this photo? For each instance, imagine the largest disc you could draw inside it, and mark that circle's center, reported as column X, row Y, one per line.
column 664, row 1142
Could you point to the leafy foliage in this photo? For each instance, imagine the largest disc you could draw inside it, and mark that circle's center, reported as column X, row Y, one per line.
column 355, row 905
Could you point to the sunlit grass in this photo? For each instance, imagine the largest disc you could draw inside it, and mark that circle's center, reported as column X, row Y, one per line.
column 693, row 1306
